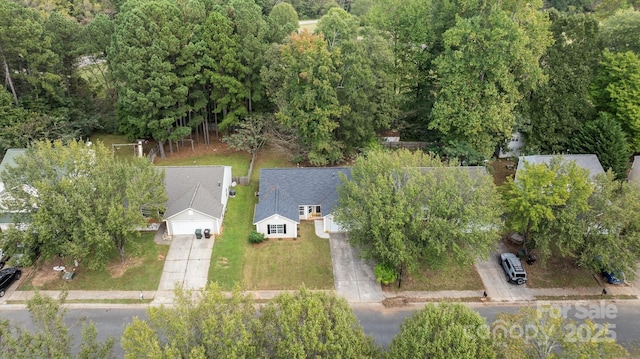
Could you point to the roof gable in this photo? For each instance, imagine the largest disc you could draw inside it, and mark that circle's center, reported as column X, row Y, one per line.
column 282, row 190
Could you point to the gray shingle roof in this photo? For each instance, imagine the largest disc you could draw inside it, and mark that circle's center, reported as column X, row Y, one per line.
column 589, row 162
column 282, row 190
column 194, row 187
column 9, row 159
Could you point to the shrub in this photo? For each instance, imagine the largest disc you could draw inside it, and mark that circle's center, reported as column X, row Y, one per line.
column 256, row 237
column 385, row 273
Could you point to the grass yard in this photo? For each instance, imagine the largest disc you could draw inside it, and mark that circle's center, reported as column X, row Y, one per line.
column 559, row 272
column 290, row 264
column 227, row 260
column 124, row 152
column 239, row 161
column 269, row 157
column 141, row 272
column 450, row 276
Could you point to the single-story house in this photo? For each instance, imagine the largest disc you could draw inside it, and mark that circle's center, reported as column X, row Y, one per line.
column 197, row 198
column 589, row 162
column 8, row 160
column 288, row 195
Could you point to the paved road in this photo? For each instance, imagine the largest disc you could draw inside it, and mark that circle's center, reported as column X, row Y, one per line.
column 381, row 323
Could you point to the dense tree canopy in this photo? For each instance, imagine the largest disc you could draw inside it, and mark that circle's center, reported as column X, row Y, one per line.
column 400, row 206
column 544, row 332
column 200, row 325
column 211, row 324
column 562, row 105
column 312, row 325
column 604, row 137
column 610, row 228
column 83, row 203
column 544, row 198
column 619, row 32
column 441, row 332
column 616, row 91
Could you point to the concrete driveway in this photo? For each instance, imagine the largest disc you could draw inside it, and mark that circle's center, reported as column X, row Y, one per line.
column 354, row 279
column 186, row 265
column 495, row 282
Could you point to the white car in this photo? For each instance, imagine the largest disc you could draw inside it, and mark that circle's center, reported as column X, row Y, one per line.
column 513, row 267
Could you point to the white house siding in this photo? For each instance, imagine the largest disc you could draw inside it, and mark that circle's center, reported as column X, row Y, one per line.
column 330, row 225
column 291, row 227
column 226, row 184
column 188, row 221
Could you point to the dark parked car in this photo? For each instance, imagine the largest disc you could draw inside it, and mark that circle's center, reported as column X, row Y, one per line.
column 3, row 259
column 7, row 277
column 611, row 277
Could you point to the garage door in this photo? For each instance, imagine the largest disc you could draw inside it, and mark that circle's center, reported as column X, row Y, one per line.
column 189, row 227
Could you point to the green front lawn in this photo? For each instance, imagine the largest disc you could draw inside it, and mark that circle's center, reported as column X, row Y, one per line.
column 142, row 273
column 559, row 272
column 449, row 275
column 290, row 264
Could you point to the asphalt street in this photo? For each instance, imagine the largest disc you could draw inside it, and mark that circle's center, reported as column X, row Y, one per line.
column 381, row 323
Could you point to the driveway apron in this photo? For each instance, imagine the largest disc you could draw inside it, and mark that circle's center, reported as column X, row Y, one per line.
column 354, row 279
column 495, row 282
column 187, row 263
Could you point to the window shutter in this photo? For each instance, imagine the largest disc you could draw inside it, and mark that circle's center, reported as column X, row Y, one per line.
column 268, row 229
column 284, row 228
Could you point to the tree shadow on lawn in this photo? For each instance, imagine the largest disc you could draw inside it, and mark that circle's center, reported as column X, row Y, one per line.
column 141, row 271
column 558, row 271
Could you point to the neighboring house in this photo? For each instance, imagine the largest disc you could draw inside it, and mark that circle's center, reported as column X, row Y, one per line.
column 390, row 136
column 289, row 195
column 634, row 174
column 512, row 149
column 197, row 198
column 588, row 162
column 8, row 160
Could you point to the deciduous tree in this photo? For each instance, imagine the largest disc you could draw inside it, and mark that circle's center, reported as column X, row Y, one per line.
column 443, row 331
column 544, row 332
column 312, row 325
column 544, row 202
column 399, row 207
column 611, row 235
column 616, row 90
column 489, row 62
column 204, row 324
column 618, row 31
column 84, row 202
column 562, row 105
